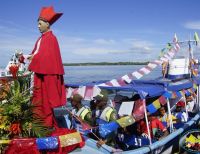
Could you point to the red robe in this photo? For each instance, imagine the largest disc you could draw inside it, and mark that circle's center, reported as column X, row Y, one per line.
column 49, row 90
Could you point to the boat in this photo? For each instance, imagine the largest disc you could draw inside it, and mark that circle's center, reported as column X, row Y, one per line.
column 153, row 89
column 177, row 81
column 18, row 62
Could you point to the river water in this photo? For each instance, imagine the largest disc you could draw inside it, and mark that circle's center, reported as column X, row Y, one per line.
column 82, row 74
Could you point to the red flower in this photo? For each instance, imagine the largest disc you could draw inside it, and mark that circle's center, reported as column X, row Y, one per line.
column 13, row 70
column 15, row 128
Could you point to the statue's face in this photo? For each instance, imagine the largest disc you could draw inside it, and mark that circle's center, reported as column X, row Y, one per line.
column 43, row 26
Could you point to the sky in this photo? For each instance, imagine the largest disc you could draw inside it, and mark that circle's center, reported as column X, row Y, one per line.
column 99, row 30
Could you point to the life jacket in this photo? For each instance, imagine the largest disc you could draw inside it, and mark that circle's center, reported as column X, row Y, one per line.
column 82, row 112
column 104, row 116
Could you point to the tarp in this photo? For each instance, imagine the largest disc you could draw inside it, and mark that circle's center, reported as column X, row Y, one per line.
column 144, row 88
column 179, row 85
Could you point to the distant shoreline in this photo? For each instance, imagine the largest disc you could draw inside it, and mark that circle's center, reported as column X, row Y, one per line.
column 105, row 63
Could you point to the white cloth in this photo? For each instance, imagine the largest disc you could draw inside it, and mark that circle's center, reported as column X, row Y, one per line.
column 126, row 108
column 190, row 106
column 182, row 116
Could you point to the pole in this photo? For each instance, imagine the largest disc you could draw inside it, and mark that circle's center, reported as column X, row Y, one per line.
column 146, row 119
column 170, row 117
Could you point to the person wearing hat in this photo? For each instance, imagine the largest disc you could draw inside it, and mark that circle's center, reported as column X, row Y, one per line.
column 46, row 64
column 81, row 111
column 180, row 114
column 104, row 112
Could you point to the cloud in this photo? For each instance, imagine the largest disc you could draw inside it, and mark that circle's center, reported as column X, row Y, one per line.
column 89, row 50
column 104, row 41
column 141, row 46
column 75, row 48
column 95, row 51
column 193, row 25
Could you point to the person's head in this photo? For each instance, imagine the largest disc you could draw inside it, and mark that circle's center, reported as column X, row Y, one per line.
column 46, row 18
column 135, row 97
column 162, row 111
column 189, row 98
column 43, row 26
column 76, row 100
column 180, row 105
column 101, row 99
column 151, row 116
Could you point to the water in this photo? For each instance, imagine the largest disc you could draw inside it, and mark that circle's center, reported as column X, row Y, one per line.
column 82, row 74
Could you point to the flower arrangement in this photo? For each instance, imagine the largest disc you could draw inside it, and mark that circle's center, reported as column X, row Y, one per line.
column 16, row 117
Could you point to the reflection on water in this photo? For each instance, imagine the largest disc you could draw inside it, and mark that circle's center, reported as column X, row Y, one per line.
column 81, row 74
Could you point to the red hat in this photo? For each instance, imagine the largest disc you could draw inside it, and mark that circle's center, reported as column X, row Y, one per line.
column 181, row 104
column 48, row 14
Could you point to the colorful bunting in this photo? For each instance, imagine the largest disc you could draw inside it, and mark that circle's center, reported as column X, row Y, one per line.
column 182, row 93
column 169, row 46
column 22, row 145
column 196, row 38
column 178, row 94
column 190, row 50
column 126, row 121
column 167, row 94
column 108, row 128
column 70, row 139
column 151, row 108
column 126, row 108
column 173, row 95
column 162, row 100
column 187, row 93
column 47, row 143
column 156, row 103
column 175, row 41
column 138, row 111
column 191, row 139
column 194, row 85
column 87, row 92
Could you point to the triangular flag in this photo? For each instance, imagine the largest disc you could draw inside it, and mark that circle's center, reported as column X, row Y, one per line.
column 156, row 104
column 107, row 128
column 70, row 139
column 126, row 108
column 47, row 143
column 162, row 100
column 138, row 111
column 167, row 94
column 196, row 37
column 191, row 139
column 126, row 121
column 151, row 108
column 169, row 46
column 175, row 38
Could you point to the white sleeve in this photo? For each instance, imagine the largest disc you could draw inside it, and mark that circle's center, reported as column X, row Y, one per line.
column 184, row 117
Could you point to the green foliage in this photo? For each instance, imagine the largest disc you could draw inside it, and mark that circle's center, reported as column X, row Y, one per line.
column 17, row 108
